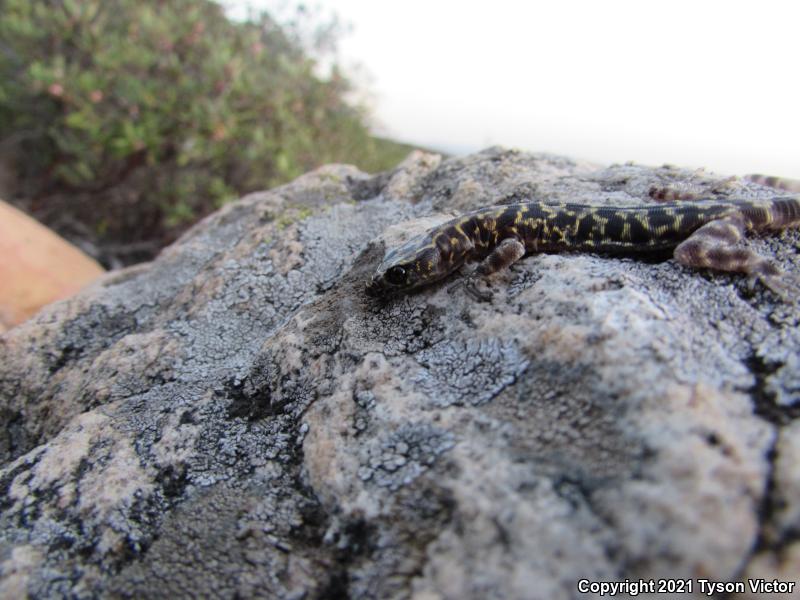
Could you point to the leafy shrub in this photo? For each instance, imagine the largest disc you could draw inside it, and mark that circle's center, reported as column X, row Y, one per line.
column 168, row 100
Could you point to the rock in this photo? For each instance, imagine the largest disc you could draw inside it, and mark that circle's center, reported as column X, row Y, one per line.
column 239, row 419
column 36, row 266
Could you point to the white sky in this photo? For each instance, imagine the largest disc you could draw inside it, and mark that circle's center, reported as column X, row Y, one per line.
column 695, row 83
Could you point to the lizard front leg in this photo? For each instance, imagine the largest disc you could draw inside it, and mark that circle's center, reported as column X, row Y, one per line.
column 506, row 253
column 713, row 246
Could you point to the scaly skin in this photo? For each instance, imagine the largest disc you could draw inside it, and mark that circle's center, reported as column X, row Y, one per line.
column 702, row 234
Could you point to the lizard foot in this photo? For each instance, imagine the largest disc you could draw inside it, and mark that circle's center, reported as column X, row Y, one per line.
column 786, row 287
column 470, row 285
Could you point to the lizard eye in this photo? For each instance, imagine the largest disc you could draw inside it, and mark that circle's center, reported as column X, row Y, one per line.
column 396, row 275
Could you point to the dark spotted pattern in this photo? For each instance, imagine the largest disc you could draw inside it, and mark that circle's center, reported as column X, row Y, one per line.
column 700, row 232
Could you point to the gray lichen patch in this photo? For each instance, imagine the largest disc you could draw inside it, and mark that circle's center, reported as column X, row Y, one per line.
column 239, row 418
column 404, row 455
column 471, row 372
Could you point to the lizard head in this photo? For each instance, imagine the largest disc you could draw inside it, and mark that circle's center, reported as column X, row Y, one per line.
column 417, row 262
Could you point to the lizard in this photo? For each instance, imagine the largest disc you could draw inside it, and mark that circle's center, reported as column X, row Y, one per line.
column 700, row 234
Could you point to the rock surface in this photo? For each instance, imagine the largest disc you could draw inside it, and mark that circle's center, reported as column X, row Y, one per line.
column 238, row 419
column 37, row 267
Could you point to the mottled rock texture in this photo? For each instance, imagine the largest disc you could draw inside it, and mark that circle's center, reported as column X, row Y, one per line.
column 238, row 419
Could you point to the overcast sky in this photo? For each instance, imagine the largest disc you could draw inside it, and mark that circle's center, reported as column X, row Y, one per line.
column 693, row 83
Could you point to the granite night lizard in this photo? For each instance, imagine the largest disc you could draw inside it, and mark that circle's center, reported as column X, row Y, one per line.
column 700, row 234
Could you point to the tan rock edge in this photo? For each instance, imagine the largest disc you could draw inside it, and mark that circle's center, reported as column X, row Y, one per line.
column 37, row 267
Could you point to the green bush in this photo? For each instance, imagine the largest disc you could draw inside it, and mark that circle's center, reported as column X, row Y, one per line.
column 169, row 99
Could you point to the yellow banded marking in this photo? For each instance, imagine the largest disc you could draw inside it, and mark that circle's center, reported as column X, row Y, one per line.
column 600, row 224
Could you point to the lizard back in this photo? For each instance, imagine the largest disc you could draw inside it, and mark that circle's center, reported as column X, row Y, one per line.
column 636, row 229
